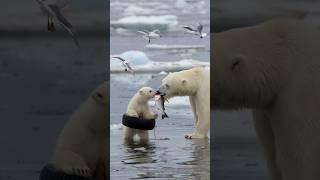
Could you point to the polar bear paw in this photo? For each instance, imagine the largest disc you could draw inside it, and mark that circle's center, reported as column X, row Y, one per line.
column 84, row 172
column 155, row 116
column 194, row 136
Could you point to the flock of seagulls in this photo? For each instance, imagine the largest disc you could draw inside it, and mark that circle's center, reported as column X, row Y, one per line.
column 149, row 35
column 52, row 9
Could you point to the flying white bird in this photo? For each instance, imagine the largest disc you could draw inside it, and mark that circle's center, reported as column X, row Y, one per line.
column 125, row 64
column 196, row 31
column 52, row 8
column 150, row 35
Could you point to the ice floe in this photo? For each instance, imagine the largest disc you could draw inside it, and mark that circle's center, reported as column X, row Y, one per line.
column 142, row 64
column 173, row 47
column 115, row 127
column 136, row 23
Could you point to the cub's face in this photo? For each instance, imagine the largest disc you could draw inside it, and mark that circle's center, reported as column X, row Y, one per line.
column 147, row 92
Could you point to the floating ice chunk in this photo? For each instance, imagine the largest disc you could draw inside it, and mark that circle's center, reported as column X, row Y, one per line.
column 181, row 3
column 136, row 10
column 178, row 102
column 114, row 127
column 132, row 80
column 163, row 73
column 136, row 23
column 155, row 66
column 136, row 57
column 169, row 47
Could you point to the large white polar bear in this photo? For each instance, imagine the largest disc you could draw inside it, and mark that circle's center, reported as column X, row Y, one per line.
column 139, row 107
column 194, row 83
column 81, row 147
column 274, row 68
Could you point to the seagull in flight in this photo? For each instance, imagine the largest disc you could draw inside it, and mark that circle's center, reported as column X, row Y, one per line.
column 150, row 35
column 196, row 31
column 52, row 8
column 125, row 64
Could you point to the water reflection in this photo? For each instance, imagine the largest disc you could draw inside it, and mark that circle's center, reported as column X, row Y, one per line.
column 155, row 160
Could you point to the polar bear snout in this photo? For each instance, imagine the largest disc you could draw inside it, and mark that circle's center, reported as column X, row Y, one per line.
column 163, row 90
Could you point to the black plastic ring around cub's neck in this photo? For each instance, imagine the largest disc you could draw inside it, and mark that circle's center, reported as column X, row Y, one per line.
column 138, row 123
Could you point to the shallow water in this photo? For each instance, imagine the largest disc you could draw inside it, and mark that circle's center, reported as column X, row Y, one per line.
column 168, row 155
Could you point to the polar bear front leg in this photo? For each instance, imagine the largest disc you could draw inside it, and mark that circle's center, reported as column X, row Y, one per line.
column 265, row 135
column 203, row 122
column 71, row 163
column 194, row 110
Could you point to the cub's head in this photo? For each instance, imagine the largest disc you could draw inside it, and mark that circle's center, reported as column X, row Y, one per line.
column 147, row 92
column 99, row 95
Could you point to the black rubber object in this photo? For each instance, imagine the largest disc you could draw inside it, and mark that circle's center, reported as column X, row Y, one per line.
column 48, row 172
column 138, row 123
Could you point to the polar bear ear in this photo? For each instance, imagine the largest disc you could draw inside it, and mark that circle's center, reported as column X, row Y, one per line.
column 184, row 81
column 98, row 97
column 238, row 63
column 141, row 92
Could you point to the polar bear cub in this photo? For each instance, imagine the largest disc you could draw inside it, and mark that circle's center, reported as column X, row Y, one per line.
column 81, row 146
column 138, row 107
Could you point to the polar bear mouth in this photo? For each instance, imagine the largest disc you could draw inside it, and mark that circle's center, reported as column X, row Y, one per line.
column 160, row 93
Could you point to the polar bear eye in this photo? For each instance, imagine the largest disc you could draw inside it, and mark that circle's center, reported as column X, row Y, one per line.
column 99, row 95
column 150, row 91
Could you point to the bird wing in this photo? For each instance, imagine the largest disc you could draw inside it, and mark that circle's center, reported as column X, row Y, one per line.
column 189, row 28
column 120, row 58
column 146, row 37
column 60, row 16
column 129, row 67
column 200, row 27
column 74, row 37
column 143, row 33
column 45, row 7
column 156, row 31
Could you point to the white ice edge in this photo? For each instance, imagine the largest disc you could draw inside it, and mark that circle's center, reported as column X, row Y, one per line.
column 166, row 47
column 167, row 66
column 161, row 22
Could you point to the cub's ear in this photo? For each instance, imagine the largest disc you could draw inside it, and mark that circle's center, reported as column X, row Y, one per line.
column 184, row 81
column 141, row 92
column 238, row 63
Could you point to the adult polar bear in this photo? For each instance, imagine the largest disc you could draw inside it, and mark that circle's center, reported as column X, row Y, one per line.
column 194, row 83
column 274, row 68
column 82, row 146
